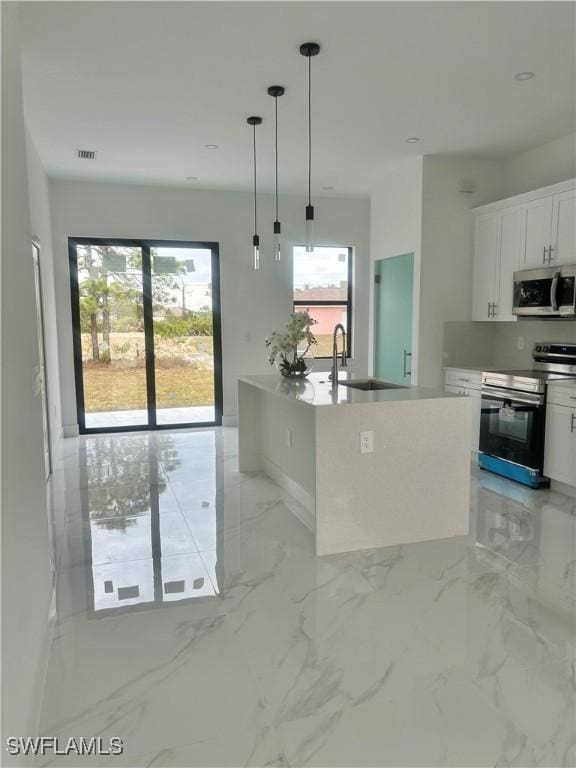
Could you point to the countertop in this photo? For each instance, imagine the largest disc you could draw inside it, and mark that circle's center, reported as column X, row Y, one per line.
column 316, row 390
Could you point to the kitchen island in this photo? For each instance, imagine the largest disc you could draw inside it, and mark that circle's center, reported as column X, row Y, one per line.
column 369, row 468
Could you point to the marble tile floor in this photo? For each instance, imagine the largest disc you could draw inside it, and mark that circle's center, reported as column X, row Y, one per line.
column 196, row 623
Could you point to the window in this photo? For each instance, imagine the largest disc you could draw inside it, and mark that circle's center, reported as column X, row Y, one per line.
column 323, row 287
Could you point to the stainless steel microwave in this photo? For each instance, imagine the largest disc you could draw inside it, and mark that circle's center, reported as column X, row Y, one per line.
column 548, row 292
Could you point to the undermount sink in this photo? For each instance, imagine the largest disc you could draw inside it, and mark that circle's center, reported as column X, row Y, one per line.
column 368, row 385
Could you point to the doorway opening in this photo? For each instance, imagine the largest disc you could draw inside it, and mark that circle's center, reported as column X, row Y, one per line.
column 394, row 281
column 147, row 333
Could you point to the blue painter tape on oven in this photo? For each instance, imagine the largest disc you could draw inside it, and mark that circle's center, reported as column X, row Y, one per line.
column 524, row 475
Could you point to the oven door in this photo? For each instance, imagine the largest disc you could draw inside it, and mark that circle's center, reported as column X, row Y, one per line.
column 549, row 291
column 512, row 426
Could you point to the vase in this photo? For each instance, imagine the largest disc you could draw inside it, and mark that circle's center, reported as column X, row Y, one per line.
column 296, row 366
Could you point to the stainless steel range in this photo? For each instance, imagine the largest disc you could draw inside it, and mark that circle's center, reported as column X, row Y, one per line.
column 513, row 418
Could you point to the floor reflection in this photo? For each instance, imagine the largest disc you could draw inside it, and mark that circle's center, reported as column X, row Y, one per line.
column 145, row 546
column 454, row 652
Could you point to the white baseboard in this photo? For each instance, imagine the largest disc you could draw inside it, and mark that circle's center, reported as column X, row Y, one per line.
column 305, row 510
column 567, row 490
column 70, row 430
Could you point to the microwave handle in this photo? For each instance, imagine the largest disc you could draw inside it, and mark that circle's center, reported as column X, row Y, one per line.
column 553, row 292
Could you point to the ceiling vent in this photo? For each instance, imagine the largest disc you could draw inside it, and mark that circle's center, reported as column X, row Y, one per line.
column 86, row 154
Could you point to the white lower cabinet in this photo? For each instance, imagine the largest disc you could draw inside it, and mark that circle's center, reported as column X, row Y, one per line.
column 451, row 377
column 560, row 447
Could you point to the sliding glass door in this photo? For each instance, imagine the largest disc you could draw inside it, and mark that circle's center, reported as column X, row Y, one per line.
column 146, row 322
column 183, row 334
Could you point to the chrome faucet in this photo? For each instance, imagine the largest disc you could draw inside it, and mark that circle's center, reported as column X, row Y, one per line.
column 334, row 375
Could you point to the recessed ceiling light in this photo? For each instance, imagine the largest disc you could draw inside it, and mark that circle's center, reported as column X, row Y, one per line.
column 412, row 140
column 524, row 76
column 211, row 146
column 327, row 187
column 191, row 178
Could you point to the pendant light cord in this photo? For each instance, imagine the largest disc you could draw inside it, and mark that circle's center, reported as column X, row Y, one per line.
column 255, row 201
column 276, row 146
column 309, row 130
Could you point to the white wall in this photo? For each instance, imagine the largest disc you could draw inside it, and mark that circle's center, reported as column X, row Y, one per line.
column 26, row 576
column 42, row 230
column 506, row 352
column 396, row 228
column 253, row 304
column 538, row 167
column 447, row 250
column 396, row 210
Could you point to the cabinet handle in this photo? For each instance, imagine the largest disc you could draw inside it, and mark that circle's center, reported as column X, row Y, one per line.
column 544, row 259
column 572, row 422
column 550, row 257
column 494, row 309
column 467, row 380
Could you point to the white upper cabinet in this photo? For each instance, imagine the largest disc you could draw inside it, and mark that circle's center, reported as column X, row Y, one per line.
column 563, row 239
column 537, row 229
column 510, row 245
column 485, row 258
column 529, row 231
column 497, row 244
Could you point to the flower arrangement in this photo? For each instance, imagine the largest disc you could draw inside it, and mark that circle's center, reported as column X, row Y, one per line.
column 288, row 348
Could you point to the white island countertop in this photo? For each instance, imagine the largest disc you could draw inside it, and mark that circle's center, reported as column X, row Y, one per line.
column 367, row 469
column 317, row 390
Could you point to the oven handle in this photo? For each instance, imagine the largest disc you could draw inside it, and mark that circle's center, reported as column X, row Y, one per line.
column 513, row 397
column 554, row 291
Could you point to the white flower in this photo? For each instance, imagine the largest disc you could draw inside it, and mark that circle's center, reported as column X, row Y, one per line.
column 297, row 331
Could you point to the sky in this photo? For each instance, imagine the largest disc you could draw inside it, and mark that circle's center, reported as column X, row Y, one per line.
column 323, row 267
column 202, row 263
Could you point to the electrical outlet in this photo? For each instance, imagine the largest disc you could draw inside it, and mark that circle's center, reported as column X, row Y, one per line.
column 520, row 342
column 367, row 442
column 288, row 438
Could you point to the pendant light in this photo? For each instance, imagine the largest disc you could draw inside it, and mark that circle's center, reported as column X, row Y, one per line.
column 254, row 121
column 275, row 91
column 309, row 50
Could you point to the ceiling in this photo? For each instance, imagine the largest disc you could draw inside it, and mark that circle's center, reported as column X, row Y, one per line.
column 149, row 84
